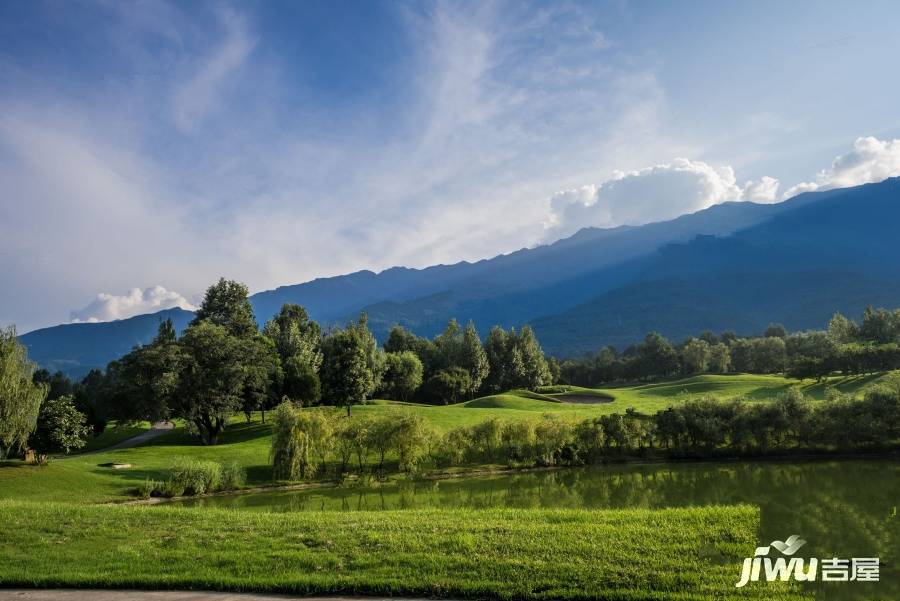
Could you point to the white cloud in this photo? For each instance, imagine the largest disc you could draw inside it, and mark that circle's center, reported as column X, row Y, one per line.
column 764, row 190
column 654, row 193
column 871, row 160
column 107, row 307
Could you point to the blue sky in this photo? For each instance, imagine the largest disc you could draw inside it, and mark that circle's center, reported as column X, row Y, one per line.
column 146, row 148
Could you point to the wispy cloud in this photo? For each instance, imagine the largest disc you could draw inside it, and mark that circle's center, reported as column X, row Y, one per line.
column 204, row 89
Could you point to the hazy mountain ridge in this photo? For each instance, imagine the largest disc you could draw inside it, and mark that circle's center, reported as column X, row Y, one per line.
column 599, row 286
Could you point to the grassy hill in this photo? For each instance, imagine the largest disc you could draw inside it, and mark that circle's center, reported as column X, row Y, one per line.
column 81, row 478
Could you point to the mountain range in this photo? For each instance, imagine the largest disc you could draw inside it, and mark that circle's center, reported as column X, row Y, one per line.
column 737, row 266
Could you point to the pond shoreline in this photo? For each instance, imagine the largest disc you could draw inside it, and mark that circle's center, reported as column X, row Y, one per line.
column 498, row 471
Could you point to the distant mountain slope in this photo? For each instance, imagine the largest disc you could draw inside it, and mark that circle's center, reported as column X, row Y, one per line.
column 735, row 266
column 839, row 253
column 75, row 348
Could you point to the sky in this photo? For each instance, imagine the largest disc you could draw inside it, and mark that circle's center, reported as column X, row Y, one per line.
column 148, row 148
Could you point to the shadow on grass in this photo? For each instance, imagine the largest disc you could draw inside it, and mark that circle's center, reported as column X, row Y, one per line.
column 235, row 433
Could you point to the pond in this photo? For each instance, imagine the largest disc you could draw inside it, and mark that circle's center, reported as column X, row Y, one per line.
column 842, row 509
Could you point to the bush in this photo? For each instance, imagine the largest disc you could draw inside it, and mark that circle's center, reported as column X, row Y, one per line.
column 197, row 477
column 171, row 489
column 233, row 476
column 452, row 448
column 148, row 488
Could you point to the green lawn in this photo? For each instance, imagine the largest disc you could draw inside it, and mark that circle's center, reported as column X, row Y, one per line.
column 114, row 434
column 82, row 479
column 507, row 554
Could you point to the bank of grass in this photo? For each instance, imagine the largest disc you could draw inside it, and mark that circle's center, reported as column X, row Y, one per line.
column 83, row 480
column 495, row 554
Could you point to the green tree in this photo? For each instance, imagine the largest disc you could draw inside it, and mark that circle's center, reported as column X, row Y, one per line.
column 263, row 375
column 496, row 348
column 60, row 427
column 533, row 372
column 695, row 356
column 719, row 359
column 20, row 396
column 657, row 356
column 410, row 438
column 402, row 376
column 349, row 366
column 842, row 330
column 227, row 304
column 449, row 385
column 211, row 379
column 473, row 359
column 301, row 382
column 775, row 330
column 139, row 386
column 295, row 335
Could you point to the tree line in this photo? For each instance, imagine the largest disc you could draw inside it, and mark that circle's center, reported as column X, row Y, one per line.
column 847, row 347
column 223, row 364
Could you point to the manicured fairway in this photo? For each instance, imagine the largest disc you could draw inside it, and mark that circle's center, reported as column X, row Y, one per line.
column 507, row 554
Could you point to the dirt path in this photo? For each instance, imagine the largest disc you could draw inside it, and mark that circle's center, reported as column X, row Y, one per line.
column 102, row 595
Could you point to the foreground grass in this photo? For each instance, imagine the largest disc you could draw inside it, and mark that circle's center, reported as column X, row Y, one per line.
column 83, row 480
column 498, row 554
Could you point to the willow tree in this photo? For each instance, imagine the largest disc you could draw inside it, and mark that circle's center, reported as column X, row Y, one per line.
column 20, row 397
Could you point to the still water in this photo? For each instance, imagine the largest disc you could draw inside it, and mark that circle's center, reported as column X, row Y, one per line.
column 842, row 508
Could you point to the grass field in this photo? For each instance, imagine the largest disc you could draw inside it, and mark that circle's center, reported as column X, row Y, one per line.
column 81, row 479
column 114, row 434
column 507, row 554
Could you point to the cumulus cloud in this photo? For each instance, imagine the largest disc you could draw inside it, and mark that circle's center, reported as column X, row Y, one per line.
column 107, row 307
column 654, row 193
column 871, row 160
column 763, row 190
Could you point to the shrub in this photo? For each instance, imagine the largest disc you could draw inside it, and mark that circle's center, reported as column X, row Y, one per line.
column 300, row 437
column 487, row 438
column 411, row 436
column 147, row 488
column 233, row 476
column 197, row 477
column 553, row 436
column 452, row 447
column 519, row 441
column 170, row 489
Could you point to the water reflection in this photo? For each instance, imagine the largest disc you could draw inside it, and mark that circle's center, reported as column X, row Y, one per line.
column 842, row 508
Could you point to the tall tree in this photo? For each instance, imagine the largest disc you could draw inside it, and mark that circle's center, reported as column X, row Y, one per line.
column 348, row 369
column 298, row 342
column 139, row 385
column 226, row 303
column 496, row 348
column 264, row 375
column 211, row 379
column 295, row 335
column 535, row 371
column 695, row 356
column 402, row 376
column 473, row 359
column 20, row 396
